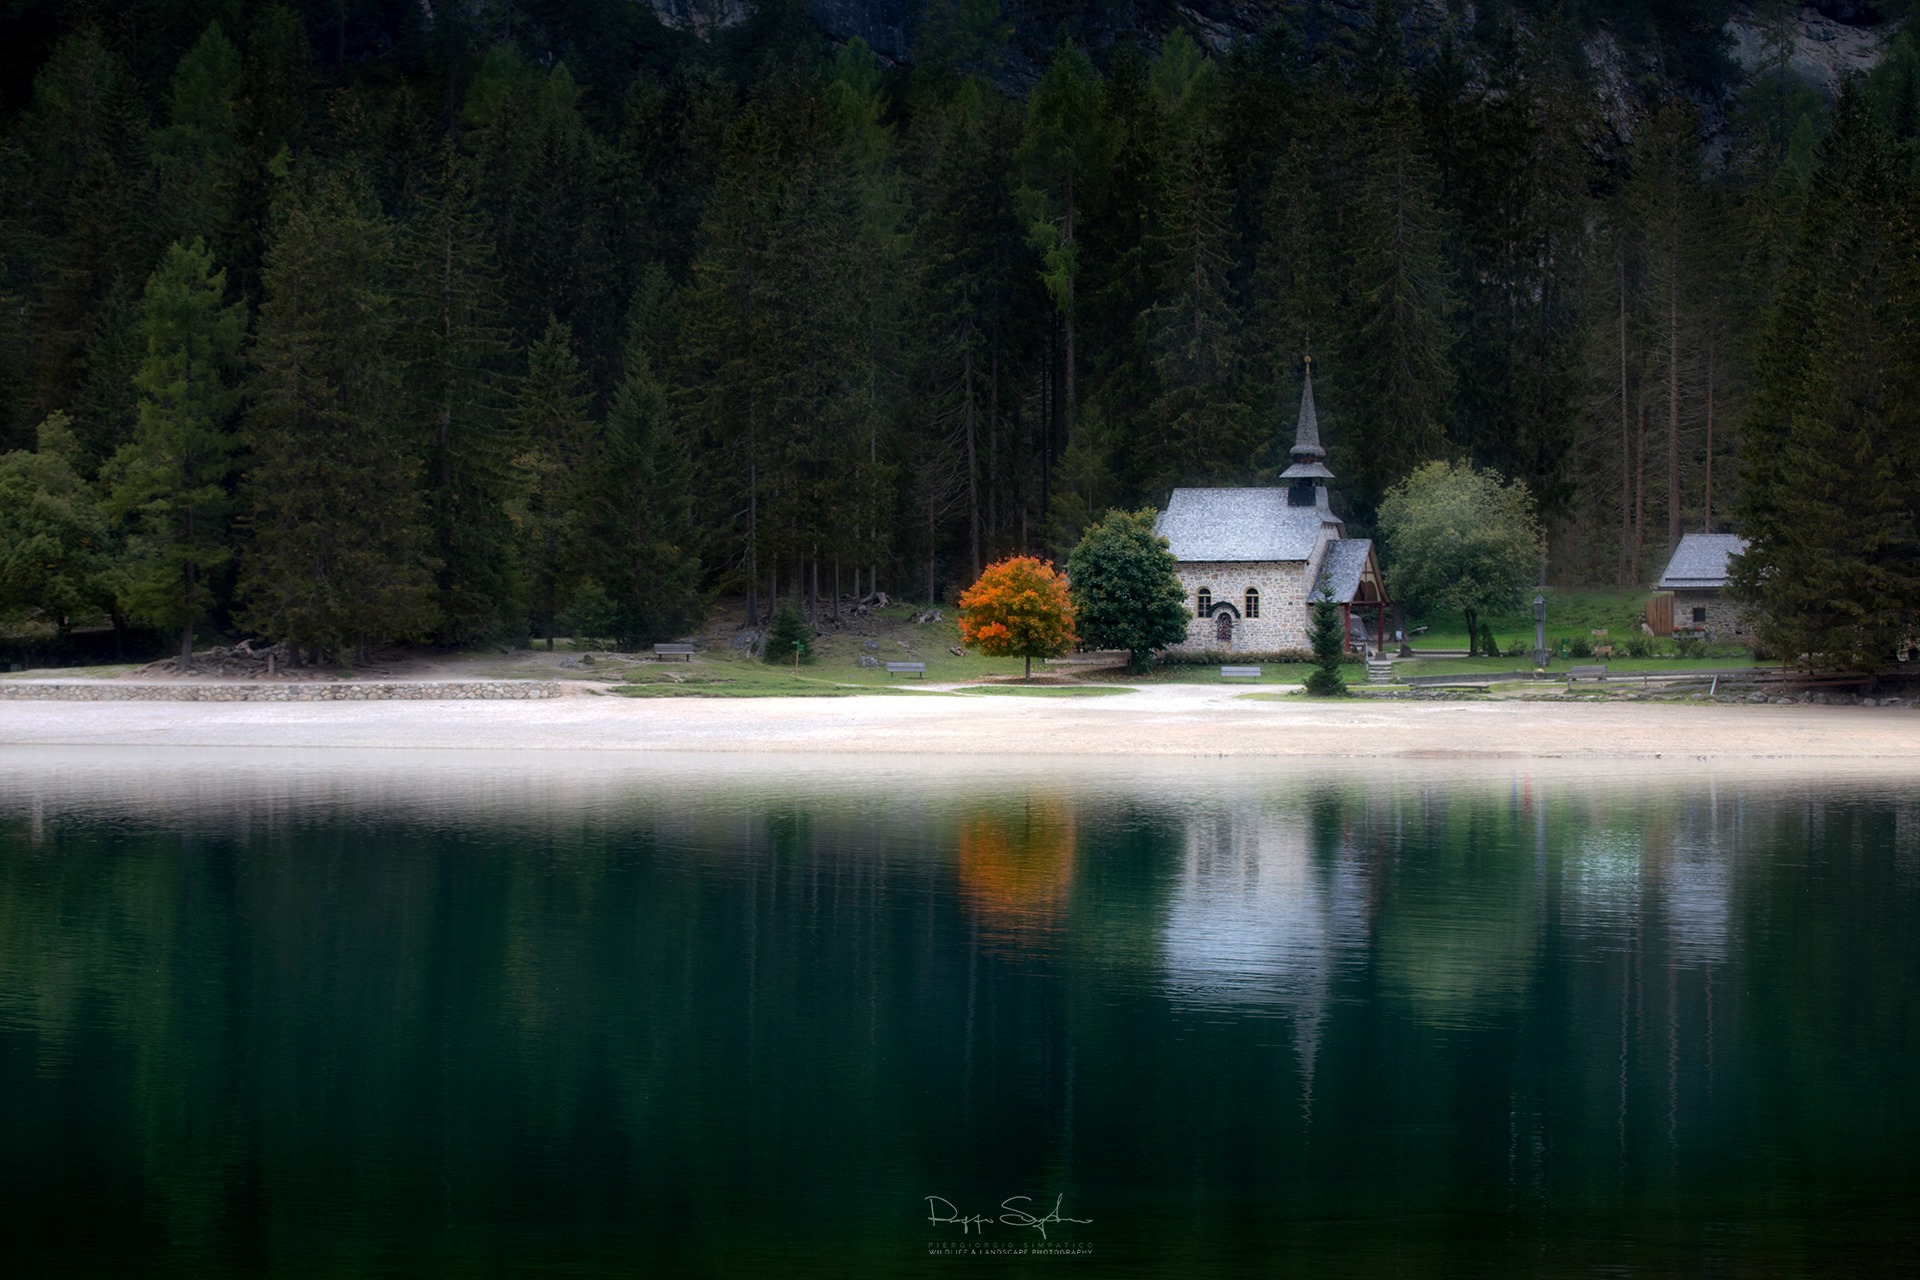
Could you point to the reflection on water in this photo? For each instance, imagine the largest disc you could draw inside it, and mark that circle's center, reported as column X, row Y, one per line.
column 325, row 1014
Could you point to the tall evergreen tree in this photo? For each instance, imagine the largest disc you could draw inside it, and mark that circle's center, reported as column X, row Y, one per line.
column 197, row 155
column 172, row 477
column 455, row 352
column 1395, row 348
column 338, row 555
column 642, row 546
column 56, row 552
column 1832, row 504
column 552, row 434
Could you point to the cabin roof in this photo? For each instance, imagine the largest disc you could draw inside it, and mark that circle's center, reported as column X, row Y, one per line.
column 1346, row 563
column 1700, row 561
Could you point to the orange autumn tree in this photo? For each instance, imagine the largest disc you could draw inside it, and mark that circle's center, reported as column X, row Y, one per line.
column 1018, row 609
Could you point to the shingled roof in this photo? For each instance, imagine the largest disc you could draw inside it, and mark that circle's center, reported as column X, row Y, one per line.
column 1700, row 561
column 1346, row 561
column 1240, row 525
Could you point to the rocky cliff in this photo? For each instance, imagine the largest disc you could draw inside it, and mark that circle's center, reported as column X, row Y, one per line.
column 1825, row 41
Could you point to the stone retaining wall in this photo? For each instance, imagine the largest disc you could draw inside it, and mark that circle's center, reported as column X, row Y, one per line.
column 315, row 691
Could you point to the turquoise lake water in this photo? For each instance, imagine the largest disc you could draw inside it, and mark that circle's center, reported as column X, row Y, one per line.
column 344, row 1014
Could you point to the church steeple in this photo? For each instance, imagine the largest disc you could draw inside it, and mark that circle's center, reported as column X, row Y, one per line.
column 1307, row 477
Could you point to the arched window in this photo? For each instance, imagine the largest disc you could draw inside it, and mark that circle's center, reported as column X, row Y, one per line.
column 1205, row 606
column 1253, row 602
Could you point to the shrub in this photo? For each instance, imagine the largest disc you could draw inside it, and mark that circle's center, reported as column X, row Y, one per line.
column 787, row 630
column 1582, row 647
column 1639, row 645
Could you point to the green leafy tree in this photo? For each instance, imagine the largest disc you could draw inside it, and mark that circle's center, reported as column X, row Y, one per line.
column 171, row 479
column 1461, row 538
column 553, row 433
column 1327, row 633
column 55, row 541
column 339, row 555
column 1126, row 594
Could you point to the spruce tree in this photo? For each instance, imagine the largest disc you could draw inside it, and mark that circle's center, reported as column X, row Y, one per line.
column 171, row 479
column 552, row 435
column 338, row 558
column 1833, row 569
column 1329, row 640
column 453, row 344
column 642, row 548
column 197, row 155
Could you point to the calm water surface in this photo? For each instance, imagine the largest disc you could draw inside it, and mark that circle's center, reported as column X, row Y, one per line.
column 351, row 1015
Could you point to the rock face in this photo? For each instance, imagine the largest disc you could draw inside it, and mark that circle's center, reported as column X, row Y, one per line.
column 1827, row 40
column 1824, row 44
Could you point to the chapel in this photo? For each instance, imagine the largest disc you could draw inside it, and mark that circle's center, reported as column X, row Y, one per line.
column 1253, row 559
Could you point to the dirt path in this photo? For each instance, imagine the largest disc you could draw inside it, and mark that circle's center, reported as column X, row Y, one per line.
column 1162, row 720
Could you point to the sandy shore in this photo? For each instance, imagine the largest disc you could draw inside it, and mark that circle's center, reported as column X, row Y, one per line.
column 1165, row 720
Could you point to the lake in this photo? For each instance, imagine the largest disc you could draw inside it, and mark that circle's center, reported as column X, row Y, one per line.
column 354, row 1014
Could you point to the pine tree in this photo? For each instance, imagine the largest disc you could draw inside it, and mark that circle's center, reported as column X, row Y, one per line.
column 552, row 435
column 455, row 351
column 197, row 155
column 172, row 477
column 642, row 547
column 1830, row 453
column 84, row 138
column 338, row 555
column 1329, row 640
column 1204, row 432
column 1396, row 340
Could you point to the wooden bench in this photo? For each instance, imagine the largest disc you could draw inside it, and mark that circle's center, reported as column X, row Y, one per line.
column 907, row 669
column 1596, row 674
column 673, row 651
column 1239, row 673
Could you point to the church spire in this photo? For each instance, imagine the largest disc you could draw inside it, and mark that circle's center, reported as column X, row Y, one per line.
column 1306, row 433
column 1307, row 477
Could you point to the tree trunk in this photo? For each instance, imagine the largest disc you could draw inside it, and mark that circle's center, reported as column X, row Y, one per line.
column 973, row 470
column 1626, row 433
column 813, row 597
column 1029, row 674
column 753, row 538
column 1674, row 519
column 836, row 590
column 186, row 627
column 1473, row 632
column 1706, row 496
column 1639, row 485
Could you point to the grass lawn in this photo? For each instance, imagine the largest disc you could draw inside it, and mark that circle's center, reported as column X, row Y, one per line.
column 1270, row 673
column 1558, row 668
column 1570, row 613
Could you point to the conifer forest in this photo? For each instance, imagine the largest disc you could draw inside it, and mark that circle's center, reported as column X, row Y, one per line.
column 361, row 321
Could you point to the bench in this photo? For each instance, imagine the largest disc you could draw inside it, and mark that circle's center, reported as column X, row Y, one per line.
column 907, row 669
column 1232, row 673
column 673, row 651
column 1595, row 674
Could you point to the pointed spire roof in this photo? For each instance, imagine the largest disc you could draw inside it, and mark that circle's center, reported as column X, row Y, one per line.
column 1306, row 435
column 1308, row 454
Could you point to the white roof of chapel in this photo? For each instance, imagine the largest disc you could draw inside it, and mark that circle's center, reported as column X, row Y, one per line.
column 1241, row 525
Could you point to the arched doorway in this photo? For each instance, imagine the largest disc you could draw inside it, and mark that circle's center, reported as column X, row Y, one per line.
column 1223, row 626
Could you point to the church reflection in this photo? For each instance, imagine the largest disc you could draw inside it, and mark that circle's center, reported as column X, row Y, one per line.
column 1256, row 921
